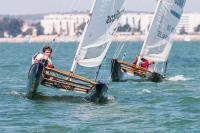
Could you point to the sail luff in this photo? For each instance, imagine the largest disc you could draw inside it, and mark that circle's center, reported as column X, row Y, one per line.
column 75, row 62
column 145, row 42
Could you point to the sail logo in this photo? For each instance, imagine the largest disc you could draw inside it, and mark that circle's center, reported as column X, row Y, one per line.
column 162, row 35
column 116, row 16
column 180, row 3
column 178, row 16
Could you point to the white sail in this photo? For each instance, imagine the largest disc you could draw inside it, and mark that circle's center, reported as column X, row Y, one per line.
column 158, row 44
column 96, row 41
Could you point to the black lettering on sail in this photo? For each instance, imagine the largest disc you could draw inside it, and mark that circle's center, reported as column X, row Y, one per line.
column 180, row 3
column 112, row 18
column 108, row 20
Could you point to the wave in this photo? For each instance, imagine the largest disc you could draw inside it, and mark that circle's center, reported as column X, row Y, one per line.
column 178, row 78
column 110, row 98
column 71, row 97
column 146, row 91
column 16, row 93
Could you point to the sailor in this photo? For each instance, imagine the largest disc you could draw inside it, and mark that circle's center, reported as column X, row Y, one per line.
column 144, row 63
column 47, row 52
column 135, row 60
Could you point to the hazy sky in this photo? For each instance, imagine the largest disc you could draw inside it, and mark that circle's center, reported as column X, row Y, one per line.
column 48, row 6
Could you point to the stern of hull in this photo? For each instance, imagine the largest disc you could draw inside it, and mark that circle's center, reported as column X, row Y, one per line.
column 34, row 79
column 99, row 93
column 155, row 77
column 116, row 73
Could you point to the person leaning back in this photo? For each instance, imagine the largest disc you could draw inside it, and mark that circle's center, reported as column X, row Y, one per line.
column 46, row 54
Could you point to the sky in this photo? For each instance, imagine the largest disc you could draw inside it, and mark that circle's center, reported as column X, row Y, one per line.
column 19, row 7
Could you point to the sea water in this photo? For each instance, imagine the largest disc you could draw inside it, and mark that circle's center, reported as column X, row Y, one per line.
column 172, row 106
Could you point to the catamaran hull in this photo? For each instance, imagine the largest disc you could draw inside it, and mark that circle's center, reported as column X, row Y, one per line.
column 34, row 79
column 155, row 77
column 99, row 93
column 116, row 72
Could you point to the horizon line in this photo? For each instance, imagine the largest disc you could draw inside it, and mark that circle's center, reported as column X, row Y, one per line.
column 77, row 12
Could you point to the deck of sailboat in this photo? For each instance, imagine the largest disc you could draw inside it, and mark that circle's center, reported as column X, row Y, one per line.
column 120, row 67
column 133, row 69
column 59, row 79
column 67, row 80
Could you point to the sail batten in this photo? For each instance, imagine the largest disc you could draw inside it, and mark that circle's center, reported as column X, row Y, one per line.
column 158, row 44
column 96, row 40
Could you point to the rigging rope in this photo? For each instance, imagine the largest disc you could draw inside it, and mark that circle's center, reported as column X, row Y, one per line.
column 120, row 49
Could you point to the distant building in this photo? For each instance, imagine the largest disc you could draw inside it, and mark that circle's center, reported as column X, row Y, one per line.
column 71, row 24
column 67, row 24
column 189, row 21
column 6, row 35
column 29, row 29
column 139, row 22
column 25, row 27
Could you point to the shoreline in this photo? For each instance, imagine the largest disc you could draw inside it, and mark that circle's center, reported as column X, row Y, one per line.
column 64, row 39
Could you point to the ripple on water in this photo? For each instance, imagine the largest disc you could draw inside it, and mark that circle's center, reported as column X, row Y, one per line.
column 187, row 100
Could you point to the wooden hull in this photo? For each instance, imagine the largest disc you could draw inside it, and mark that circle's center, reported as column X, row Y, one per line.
column 120, row 67
column 41, row 75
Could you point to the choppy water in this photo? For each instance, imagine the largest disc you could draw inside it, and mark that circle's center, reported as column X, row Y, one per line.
column 171, row 106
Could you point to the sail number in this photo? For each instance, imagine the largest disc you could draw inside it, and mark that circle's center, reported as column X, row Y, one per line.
column 162, row 35
column 180, row 3
column 114, row 17
column 170, row 28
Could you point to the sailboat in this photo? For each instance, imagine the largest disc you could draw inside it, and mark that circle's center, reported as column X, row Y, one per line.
column 157, row 45
column 91, row 52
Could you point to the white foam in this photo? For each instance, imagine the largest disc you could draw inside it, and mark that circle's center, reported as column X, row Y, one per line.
column 179, row 78
column 146, row 91
column 14, row 93
column 110, row 97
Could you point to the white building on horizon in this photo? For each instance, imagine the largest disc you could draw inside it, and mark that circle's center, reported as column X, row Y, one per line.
column 189, row 21
column 68, row 23
column 137, row 20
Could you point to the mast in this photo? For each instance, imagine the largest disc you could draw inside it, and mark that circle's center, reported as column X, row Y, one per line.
column 75, row 62
column 145, row 42
column 165, row 68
